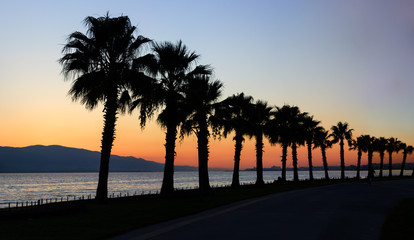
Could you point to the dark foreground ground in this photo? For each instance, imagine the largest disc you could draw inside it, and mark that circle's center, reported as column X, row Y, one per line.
column 354, row 210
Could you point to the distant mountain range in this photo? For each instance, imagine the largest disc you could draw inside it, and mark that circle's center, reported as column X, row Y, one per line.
column 64, row 159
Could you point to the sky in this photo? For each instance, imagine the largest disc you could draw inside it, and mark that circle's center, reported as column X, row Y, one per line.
column 344, row 60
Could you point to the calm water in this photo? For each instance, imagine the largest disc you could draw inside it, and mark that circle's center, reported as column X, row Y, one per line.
column 24, row 187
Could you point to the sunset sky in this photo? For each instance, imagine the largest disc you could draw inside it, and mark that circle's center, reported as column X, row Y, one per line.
column 345, row 60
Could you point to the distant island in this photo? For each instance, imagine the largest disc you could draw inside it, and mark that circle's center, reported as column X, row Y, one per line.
column 56, row 158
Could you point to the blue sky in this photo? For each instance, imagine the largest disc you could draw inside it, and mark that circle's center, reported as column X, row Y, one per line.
column 338, row 60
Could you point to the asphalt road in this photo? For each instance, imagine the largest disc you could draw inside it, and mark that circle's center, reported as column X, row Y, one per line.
column 342, row 211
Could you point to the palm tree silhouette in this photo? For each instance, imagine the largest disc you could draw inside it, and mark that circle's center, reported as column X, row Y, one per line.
column 370, row 146
column 259, row 119
column 360, row 145
column 381, row 147
column 407, row 149
column 341, row 132
column 101, row 64
column 321, row 139
column 201, row 95
column 310, row 127
column 232, row 114
column 284, row 129
column 298, row 133
column 393, row 145
column 174, row 69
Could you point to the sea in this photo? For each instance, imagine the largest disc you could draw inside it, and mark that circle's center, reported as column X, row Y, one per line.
column 25, row 188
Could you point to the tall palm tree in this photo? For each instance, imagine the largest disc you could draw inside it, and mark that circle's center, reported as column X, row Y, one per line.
column 175, row 66
column 340, row 133
column 360, row 145
column 321, row 139
column 298, row 133
column 285, row 129
column 393, row 145
column 232, row 114
column 101, row 65
column 277, row 133
column 381, row 147
column 370, row 146
column 259, row 118
column 310, row 127
column 201, row 94
column 407, row 149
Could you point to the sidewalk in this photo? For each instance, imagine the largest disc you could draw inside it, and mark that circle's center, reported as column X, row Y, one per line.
column 342, row 211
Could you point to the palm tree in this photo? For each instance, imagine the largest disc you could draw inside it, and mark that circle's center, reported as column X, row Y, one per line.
column 101, row 64
column 407, row 150
column 174, row 69
column 370, row 146
column 277, row 133
column 360, row 145
column 341, row 132
column 285, row 129
column 393, row 145
column 259, row 118
column 298, row 133
column 201, row 94
column 321, row 139
column 381, row 146
column 310, row 127
column 232, row 114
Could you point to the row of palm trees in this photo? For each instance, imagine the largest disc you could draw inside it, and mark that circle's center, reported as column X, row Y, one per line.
column 370, row 144
column 127, row 73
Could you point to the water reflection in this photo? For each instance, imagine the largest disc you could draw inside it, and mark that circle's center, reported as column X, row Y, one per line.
column 24, row 187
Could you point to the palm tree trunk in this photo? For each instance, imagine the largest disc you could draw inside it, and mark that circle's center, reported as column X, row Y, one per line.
column 108, row 137
column 370, row 153
column 381, row 163
column 295, row 163
column 168, row 180
column 202, row 141
column 403, row 164
column 341, row 144
column 238, row 147
column 358, row 176
column 390, row 164
column 284, row 158
column 309, row 144
column 259, row 159
column 325, row 162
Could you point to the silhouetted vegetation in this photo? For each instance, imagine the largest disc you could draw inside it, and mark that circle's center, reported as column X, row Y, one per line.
column 174, row 70
column 407, row 149
column 259, row 120
column 340, row 133
column 393, row 145
column 102, row 64
column 321, row 140
column 380, row 147
column 108, row 66
column 310, row 129
column 232, row 114
column 201, row 96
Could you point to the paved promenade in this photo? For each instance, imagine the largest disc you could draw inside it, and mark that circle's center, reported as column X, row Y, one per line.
column 343, row 211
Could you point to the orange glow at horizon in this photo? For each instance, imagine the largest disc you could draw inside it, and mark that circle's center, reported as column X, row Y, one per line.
column 83, row 129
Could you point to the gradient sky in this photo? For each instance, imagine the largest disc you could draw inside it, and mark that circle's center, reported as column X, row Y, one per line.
column 345, row 60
